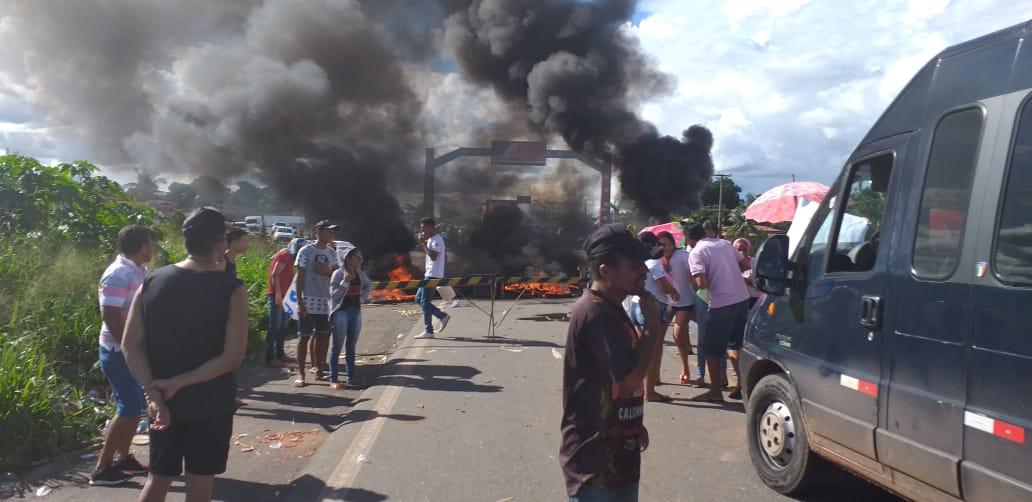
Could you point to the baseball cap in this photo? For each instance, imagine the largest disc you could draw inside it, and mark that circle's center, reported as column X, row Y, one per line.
column 324, row 224
column 614, row 239
column 204, row 221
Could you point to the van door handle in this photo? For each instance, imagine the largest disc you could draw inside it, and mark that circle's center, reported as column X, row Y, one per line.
column 870, row 311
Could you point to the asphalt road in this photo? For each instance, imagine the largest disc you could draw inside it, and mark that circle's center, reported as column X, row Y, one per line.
column 458, row 418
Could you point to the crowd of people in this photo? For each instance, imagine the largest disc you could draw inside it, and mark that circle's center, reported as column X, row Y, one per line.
column 171, row 340
column 640, row 286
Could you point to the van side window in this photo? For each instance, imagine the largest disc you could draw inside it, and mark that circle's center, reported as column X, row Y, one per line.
column 946, row 194
column 859, row 226
column 819, row 244
column 1012, row 261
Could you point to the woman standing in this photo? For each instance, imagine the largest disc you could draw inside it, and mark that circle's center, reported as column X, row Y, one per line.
column 349, row 288
column 675, row 265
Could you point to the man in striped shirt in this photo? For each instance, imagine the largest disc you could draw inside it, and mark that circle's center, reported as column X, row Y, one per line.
column 117, row 287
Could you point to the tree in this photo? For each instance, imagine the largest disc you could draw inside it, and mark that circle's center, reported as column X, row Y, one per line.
column 210, row 191
column 732, row 194
column 146, row 186
column 247, row 194
column 182, row 195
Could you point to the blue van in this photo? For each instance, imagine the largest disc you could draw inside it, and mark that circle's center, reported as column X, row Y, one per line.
column 896, row 339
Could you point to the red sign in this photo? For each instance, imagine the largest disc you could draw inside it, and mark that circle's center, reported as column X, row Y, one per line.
column 518, row 153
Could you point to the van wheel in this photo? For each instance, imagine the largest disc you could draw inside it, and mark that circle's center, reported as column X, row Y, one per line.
column 778, row 444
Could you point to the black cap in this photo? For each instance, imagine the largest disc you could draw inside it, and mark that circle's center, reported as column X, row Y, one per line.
column 325, row 224
column 204, row 221
column 614, row 239
column 696, row 232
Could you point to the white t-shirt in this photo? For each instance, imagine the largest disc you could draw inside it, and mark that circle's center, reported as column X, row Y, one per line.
column 679, row 277
column 654, row 274
column 435, row 268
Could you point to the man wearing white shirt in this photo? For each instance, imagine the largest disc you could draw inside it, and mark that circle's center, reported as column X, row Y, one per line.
column 433, row 245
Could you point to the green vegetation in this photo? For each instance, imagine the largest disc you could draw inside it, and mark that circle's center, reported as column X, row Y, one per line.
column 58, row 226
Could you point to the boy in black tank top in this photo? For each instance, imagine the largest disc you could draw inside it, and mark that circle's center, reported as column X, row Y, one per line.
column 186, row 333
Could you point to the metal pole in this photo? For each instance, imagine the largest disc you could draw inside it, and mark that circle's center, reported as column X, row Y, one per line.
column 607, row 181
column 428, row 184
column 490, row 318
column 720, row 200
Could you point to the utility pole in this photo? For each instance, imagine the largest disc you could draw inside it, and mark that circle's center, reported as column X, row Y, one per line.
column 720, row 200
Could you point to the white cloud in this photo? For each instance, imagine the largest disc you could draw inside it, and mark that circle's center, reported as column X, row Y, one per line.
column 790, row 87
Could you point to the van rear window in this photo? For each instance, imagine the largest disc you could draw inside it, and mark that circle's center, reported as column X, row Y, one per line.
column 1012, row 260
column 947, row 194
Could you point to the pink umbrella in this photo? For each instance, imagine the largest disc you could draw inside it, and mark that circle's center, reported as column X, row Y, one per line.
column 779, row 203
column 673, row 227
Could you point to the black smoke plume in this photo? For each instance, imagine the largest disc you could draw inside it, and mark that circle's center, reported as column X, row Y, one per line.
column 570, row 68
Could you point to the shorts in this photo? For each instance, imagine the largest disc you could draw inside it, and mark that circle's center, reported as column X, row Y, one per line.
column 129, row 400
column 202, row 444
column 313, row 323
column 638, row 317
column 685, row 308
column 725, row 328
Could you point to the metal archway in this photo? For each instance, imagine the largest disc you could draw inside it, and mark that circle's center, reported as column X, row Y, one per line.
column 540, row 153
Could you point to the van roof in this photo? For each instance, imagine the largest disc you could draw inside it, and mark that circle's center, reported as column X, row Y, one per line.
column 982, row 67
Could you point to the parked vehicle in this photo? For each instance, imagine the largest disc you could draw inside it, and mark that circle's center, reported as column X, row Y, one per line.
column 896, row 340
column 282, row 234
column 242, row 225
column 263, row 223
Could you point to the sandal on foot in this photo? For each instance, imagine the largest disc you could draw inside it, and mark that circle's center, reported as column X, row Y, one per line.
column 336, row 385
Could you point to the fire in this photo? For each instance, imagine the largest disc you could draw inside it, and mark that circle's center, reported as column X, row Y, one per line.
column 534, row 289
column 399, row 273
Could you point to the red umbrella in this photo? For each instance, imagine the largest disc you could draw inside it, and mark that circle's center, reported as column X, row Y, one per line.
column 673, row 227
column 779, row 203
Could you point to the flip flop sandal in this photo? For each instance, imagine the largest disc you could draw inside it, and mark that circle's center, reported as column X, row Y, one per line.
column 299, row 383
column 698, row 383
column 659, row 398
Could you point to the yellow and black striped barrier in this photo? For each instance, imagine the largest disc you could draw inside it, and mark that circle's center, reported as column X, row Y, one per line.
column 475, row 280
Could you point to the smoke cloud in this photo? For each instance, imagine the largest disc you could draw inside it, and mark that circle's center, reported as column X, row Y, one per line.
column 571, row 69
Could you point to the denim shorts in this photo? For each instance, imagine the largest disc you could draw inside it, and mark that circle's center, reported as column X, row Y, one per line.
column 129, row 400
column 724, row 328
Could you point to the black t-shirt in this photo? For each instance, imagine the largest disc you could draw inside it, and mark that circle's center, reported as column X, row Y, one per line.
column 600, row 433
column 184, row 322
column 230, row 267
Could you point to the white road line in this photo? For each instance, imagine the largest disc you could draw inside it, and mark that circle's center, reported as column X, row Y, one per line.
column 346, row 472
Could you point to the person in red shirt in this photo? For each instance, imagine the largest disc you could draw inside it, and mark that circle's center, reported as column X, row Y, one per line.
column 281, row 273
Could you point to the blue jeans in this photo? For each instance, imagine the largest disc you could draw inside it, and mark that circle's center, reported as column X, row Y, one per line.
column 346, row 323
column 425, row 299
column 277, row 330
column 596, row 493
column 129, row 399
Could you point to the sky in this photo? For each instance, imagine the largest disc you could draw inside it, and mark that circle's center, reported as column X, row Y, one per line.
column 788, row 87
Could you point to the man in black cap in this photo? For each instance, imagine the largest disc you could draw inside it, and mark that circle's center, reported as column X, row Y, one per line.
column 186, row 333
column 315, row 264
column 604, row 367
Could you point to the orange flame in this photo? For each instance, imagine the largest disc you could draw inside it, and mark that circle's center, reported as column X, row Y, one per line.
column 544, row 290
column 400, row 273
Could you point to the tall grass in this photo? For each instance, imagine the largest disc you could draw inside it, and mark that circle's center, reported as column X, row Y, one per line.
column 49, row 325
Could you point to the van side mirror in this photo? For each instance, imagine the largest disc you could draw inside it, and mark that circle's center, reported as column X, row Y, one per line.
column 771, row 266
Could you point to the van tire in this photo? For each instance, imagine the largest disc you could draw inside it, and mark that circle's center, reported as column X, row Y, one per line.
column 795, row 469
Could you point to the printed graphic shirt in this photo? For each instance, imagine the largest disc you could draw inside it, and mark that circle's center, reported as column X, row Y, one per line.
column 316, row 294
column 117, row 287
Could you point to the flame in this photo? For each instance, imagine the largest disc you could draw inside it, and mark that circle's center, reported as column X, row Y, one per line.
column 535, row 289
column 399, row 273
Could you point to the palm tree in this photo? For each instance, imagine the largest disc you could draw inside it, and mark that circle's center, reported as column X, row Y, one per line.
column 146, row 186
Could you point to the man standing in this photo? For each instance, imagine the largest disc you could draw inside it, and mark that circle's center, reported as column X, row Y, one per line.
column 236, row 243
column 281, row 271
column 315, row 265
column 604, row 367
column 433, row 245
column 118, row 285
column 717, row 267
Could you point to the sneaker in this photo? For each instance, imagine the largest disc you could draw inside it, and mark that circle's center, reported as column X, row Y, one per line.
column 735, row 394
column 444, row 322
column 109, row 476
column 129, row 465
column 425, row 334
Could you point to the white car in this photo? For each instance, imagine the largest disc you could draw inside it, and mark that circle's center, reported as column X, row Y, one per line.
column 282, row 234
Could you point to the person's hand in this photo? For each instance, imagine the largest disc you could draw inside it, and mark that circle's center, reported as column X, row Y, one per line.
column 675, row 296
column 279, row 300
column 165, row 387
column 422, row 238
column 160, row 416
column 301, row 310
column 643, row 441
column 649, row 308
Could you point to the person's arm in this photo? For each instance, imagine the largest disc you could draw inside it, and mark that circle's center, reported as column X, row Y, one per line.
column 232, row 355
column 744, row 262
column 114, row 295
column 113, row 319
column 337, row 287
column 431, row 251
column 277, row 289
column 699, row 280
column 697, row 267
column 134, row 349
column 299, row 279
column 367, row 286
column 668, row 289
column 646, row 346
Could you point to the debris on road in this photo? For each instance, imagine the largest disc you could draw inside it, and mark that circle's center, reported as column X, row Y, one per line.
column 556, row 354
column 362, row 459
column 247, row 449
column 43, row 491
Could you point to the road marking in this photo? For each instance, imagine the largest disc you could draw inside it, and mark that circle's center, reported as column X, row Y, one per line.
column 355, row 456
column 998, row 428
